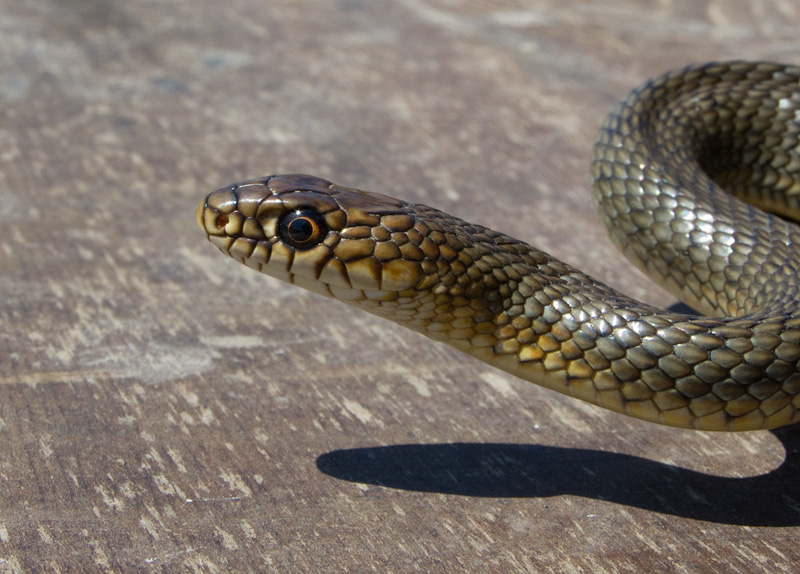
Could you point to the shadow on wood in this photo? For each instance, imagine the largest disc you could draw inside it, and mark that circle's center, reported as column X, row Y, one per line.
column 533, row 471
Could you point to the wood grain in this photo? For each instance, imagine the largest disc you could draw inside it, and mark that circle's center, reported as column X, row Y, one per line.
column 165, row 409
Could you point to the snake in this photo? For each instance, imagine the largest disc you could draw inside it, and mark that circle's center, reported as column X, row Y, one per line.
column 696, row 177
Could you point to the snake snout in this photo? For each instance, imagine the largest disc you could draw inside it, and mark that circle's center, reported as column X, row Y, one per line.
column 218, row 214
column 198, row 213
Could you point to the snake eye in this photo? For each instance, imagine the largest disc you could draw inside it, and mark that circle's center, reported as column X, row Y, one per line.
column 302, row 229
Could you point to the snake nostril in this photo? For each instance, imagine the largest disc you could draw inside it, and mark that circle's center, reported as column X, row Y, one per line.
column 222, row 220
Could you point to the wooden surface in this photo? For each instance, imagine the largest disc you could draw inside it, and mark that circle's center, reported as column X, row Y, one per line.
column 163, row 408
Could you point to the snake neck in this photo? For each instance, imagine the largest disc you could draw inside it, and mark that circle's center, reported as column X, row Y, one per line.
column 542, row 320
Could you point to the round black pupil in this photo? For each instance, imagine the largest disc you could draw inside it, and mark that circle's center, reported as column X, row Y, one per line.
column 301, row 229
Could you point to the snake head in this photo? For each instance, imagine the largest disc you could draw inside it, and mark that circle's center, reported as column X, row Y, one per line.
column 340, row 242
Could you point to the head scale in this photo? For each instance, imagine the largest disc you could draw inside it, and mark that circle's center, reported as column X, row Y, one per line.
column 340, row 242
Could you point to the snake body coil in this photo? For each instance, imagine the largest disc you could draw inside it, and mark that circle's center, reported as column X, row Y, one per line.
column 660, row 165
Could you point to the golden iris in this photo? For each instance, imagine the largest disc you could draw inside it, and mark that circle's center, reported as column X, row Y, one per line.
column 302, row 229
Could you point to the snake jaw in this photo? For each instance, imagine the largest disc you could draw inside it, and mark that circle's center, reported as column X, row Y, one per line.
column 371, row 251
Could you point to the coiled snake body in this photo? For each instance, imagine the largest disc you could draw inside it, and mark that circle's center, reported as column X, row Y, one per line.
column 660, row 165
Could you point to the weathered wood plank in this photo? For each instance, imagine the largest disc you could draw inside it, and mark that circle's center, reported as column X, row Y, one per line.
column 165, row 409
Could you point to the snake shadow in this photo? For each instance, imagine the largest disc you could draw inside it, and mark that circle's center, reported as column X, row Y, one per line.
column 531, row 471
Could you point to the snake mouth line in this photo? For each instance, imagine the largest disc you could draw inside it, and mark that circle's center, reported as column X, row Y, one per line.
column 256, row 255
